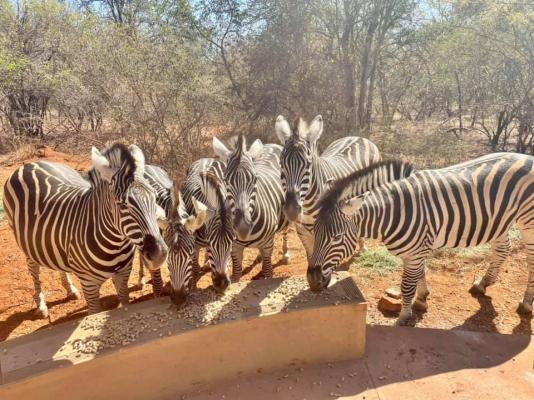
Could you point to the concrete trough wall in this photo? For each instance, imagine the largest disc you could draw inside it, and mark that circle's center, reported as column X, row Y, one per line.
column 255, row 330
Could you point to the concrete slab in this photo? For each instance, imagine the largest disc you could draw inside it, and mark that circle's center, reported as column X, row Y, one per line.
column 403, row 363
column 151, row 350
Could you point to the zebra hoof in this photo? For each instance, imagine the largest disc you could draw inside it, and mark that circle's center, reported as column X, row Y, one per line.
column 524, row 309
column 74, row 296
column 235, row 278
column 41, row 313
column 402, row 321
column 286, row 259
column 420, row 305
column 477, row 289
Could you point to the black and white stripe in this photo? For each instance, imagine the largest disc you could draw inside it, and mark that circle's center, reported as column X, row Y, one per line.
column 86, row 227
column 200, row 220
column 159, row 179
column 254, row 194
column 306, row 174
column 461, row 206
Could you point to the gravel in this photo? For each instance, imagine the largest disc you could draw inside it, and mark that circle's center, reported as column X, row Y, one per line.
column 203, row 308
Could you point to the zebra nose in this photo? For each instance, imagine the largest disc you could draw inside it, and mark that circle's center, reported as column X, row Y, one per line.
column 178, row 297
column 155, row 251
column 220, row 282
column 316, row 279
column 292, row 206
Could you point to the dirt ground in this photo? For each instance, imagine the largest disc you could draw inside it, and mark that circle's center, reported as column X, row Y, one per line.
column 449, row 277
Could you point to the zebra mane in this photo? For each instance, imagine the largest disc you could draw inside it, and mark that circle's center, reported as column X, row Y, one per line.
column 218, row 187
column 360, row 182
column 120, row 157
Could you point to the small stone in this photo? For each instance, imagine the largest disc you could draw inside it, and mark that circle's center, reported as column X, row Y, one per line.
column 389, row 304
column 5, row 351
column 394, row 293
column 381, row 378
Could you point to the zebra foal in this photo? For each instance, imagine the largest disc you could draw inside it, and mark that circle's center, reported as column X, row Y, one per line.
column 464, row 205
column 86, row 227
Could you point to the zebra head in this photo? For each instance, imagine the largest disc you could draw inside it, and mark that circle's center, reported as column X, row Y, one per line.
column 346, row 212
column 181, row 237
column 296, row 161
column 241, row 182
column 132, row 199
column 335, row 238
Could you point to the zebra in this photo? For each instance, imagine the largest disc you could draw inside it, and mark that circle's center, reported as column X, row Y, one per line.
column 202, row 220
column 199, row 220
column 159, row 179
column 86, row 227
column 465, row 205
column 254, row 195
column 305, row 174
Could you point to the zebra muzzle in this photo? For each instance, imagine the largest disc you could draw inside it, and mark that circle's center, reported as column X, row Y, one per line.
column 292, row 207
column 316, row 279
column 178, row 297
column 220, row 282
column 154, row 251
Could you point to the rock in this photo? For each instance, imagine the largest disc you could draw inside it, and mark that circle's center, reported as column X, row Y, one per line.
column 394, row 293
column 388, row 304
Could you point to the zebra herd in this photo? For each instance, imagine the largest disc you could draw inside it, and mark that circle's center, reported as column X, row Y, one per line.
column 90, row 227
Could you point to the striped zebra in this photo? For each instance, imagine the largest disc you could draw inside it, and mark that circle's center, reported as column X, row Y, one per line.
column 254, row 194
column 306, row 174
column 199, row 220
column 461, row 206
column 86, row 227
column 202, row 220
column 158, row 178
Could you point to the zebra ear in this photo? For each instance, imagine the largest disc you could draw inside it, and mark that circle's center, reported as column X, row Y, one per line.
column 315, row 130
column 351, row 206
column 163, row 222
column 221, row 150
column 256, row 149
column 282, row 129
column 139, row 158
column 180, row 207
column 101, row 164
column 194, row 222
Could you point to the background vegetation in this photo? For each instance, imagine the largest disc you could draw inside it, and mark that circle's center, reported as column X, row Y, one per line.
column 423, row 79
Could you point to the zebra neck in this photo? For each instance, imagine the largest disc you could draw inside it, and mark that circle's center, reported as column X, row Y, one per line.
column 369, row 220
column 103, row 213
column 317, row 184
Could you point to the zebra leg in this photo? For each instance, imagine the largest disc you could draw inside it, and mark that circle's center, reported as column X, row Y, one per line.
column 72, row 292
column 120, row 281
column 91, row 292
column 413, row 273
column 267, row 266
column 38, row 296
column 141, row 282
column 525, row 307
column 157, row 282
column 306, row 237
column 196, row 265
column 500, row 249
column 285, row 248
column 421, row 294
column 361, row 245
column 237, row 262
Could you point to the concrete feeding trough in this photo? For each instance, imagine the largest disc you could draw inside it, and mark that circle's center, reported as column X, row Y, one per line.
column 153, row 350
